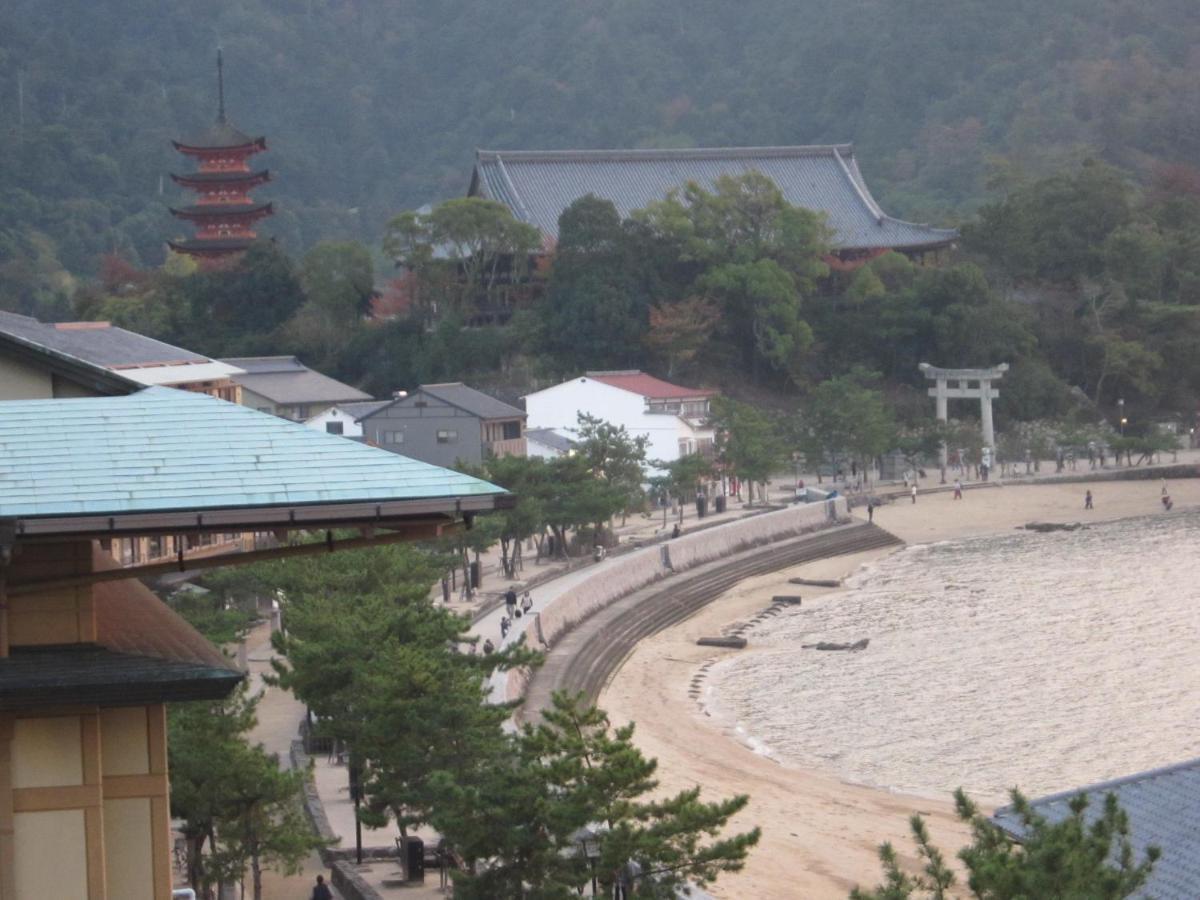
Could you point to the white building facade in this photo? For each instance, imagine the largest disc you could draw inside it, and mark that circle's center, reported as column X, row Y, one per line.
column 672, row 418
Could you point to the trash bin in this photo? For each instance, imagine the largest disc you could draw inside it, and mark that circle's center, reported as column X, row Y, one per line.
column 412, row 858
column 719, row 503
column 475, row 576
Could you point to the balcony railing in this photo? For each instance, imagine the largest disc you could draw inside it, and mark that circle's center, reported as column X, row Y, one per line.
column 514, row 447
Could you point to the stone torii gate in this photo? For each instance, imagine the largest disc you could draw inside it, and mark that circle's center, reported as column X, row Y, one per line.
column 962, row 389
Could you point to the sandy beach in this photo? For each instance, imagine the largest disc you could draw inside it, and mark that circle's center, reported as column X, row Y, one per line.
column 820, row 833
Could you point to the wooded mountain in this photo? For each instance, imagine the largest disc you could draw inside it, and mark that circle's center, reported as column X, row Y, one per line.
column 372, row 106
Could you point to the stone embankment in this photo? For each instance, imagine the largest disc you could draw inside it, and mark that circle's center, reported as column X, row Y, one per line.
column 586, row 657
column 652, row 564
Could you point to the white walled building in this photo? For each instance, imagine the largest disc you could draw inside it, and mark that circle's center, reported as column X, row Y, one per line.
column 345, row 418
column 671, row 417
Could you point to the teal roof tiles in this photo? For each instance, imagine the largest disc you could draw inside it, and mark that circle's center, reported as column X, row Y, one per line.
column 163, row 450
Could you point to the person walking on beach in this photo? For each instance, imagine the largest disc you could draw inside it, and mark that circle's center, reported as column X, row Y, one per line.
column 870, row 510
column 321, row 890
column 914, row 493
column 1087, row 501
column 510, row 600
column 957, row 489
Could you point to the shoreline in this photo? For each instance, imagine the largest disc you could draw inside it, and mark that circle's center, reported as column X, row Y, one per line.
column 820, row 833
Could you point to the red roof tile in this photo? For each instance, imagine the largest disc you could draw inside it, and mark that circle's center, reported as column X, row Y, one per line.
column 648, row 386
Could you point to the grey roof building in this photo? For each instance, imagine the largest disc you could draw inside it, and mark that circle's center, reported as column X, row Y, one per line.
column 284, row 386
column 1163, row 806
column 538, row 185
column 445, row 424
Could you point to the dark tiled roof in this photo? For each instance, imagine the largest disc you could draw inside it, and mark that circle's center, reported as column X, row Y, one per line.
column 1164, row 811
column 259, row 365
column 97, row 342
column 222, row 177
column 362, row 408
column 550, row 438
column 286, row 380
column 538, row 185
column 467, row 398
column 213, row 245
column 221, row 210
column 144, row 653
column 220, row 136
column 84, row 673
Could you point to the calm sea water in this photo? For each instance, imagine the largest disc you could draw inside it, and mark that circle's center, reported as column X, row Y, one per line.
column 1045, row 661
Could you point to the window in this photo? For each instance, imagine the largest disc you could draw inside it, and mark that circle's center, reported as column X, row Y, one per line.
column 334, row 427
column 512, row 430
column 446, row 436
column 392, row 437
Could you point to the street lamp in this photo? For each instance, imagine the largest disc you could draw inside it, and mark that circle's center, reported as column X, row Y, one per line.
column 589, row 849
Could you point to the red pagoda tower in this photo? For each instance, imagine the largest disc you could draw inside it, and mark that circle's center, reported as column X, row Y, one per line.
column 224, row 213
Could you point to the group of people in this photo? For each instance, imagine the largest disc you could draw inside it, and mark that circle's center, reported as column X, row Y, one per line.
column 514, row 609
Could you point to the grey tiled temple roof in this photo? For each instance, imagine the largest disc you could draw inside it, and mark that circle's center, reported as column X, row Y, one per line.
column 1163, row 806
column 538, row 185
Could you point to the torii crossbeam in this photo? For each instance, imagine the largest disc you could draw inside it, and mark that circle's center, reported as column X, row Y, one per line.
column 969, row 384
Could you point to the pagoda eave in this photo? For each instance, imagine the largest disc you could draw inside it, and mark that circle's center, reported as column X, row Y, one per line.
column 239, row 212
column 211, row 248
column 255, row 145
column 243, row 180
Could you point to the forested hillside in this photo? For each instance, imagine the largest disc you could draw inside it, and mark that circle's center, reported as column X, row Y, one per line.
column 371, row 107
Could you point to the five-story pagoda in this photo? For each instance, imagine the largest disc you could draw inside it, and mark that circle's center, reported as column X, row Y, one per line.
column 224, row 213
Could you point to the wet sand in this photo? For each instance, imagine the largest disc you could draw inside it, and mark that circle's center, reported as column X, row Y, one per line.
column 820, row 833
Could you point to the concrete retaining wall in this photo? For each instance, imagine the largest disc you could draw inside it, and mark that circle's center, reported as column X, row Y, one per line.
column 644, row 567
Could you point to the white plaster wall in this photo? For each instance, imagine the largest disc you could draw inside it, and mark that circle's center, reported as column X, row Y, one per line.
column 124, row 741
column 558, row 407
column 47, row 752
column 51, row 855
column 129, row 849
column 19, row 381
column 350, row 427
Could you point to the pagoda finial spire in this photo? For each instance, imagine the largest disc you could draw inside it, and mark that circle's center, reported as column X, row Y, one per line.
column 220, row 88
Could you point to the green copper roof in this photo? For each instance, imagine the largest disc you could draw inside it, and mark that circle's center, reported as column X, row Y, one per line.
column 163, row 450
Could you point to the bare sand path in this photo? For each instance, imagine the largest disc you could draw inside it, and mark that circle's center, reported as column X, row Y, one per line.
column 820, row 833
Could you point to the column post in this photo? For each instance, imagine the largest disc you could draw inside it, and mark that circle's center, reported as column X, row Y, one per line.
column 985, row 413
column 942, row 416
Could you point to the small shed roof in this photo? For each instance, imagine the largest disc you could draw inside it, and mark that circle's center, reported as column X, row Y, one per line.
column 538, row 185
column 1163, row 806
column 286, row 380
column 200, row 460
column 548, row 437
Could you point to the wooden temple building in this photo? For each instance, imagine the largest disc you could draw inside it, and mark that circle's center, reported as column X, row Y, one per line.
column 224, row 214
column 88, row 655
column 537, row 185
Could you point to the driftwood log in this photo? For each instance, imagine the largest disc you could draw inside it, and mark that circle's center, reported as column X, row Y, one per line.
column 792, row 599
column 732, row 643
column 825, row 645
column 816, row 582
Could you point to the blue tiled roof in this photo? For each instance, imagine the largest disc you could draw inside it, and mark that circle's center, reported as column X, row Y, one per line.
column 538, row 185
column 166, row 450
column 1163, row 806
